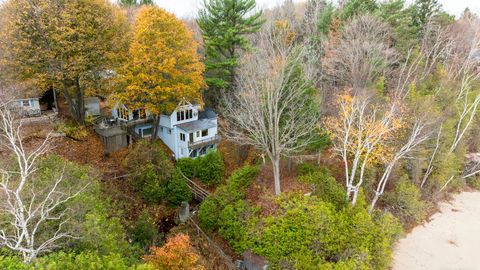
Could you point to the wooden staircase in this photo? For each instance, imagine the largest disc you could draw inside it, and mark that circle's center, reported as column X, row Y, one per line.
column 199, row 193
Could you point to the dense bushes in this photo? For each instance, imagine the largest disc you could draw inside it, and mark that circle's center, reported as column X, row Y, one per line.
column 72, row 261
column 325, row 186
column 227, row 211
column 155, row 177
column 405, row 202
column 145, row 232
column 209, row 168
column 306, row 232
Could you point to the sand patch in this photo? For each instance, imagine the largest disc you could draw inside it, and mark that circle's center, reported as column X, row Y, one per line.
column 450, row 240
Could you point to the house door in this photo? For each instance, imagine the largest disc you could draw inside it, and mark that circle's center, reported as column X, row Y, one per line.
column 191, row 137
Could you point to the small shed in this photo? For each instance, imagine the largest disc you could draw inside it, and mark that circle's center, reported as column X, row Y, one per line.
column 113, row 137
column 29, row 106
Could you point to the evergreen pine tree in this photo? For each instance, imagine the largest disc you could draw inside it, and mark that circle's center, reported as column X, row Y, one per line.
column 225, row 25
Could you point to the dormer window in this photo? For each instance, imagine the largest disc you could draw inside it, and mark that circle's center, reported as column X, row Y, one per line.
column 184, row 115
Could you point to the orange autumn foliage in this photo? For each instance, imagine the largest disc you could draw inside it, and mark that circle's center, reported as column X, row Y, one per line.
column 177, row 254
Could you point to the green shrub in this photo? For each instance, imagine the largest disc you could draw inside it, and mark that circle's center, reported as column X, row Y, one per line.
column 227, row 194
column 145, row 232
column 72, row 130
column 311, row 234
column 208, row 214
column 306, row 168
column 232, row 225
column 325, row 186
column 209, row 168
column 405, row 202
column 150, row 184
column 474, row 183
column 14, row 263
column 188, row 166
column 177, row 190
column 85, row 260
column 156, row 178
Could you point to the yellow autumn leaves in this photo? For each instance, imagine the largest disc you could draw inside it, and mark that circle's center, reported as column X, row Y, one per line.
column 366, row 127
column 162, row 66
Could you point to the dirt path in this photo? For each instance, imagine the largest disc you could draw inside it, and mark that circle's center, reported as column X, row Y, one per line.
column 451, row 240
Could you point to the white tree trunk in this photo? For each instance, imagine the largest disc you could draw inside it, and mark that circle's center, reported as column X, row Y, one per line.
column 276, row 174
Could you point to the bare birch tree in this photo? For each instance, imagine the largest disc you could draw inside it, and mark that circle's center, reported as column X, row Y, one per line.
column 418, row 134
column 271, row 107
column 359, row 134
column 29, row 210
column 463, row 66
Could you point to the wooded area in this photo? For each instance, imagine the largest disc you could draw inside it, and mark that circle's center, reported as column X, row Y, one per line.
column 343, row 125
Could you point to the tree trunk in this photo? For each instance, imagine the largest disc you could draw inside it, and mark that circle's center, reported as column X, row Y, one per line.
column 355, row 195
column 374, row 202
column 69, row 100
column 80, row 103
column 276, row 174
column 156, row 122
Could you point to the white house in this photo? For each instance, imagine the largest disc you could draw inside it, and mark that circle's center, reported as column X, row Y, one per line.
column 187, row 131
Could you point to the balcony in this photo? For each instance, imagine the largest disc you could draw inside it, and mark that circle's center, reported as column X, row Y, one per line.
column 209, row 141
column 134, row 122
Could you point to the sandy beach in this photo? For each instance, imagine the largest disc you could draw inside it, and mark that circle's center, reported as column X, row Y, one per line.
column 451, row 240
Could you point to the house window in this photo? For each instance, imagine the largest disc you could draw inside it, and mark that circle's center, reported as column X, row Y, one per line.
column 26, row 103
column 182, row 137
column 198, row 134
column 161, row 129
column 184, row 114
column 204, row 132
column 123, row 113
column 147, row 132
column 169, row 131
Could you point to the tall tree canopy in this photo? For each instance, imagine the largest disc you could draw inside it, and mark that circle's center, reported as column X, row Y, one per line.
column 163, row 66
column 135, row 2
column 68, row 44
column 225, row 25
column 423, row 10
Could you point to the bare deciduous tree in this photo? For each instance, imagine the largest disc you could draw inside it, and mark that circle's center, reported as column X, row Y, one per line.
column 418, row 134
column 359, row 134
column 362, row 54
column 272, row 108
column 28, row 209
column 463, row 65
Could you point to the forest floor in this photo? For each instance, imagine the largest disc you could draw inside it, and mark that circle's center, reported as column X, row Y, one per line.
column 449, row 240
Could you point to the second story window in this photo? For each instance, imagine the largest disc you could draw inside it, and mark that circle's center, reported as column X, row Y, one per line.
column 184, row 115
column 182, row 137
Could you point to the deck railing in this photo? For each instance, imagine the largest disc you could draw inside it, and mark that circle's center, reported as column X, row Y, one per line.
column 201, row 143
